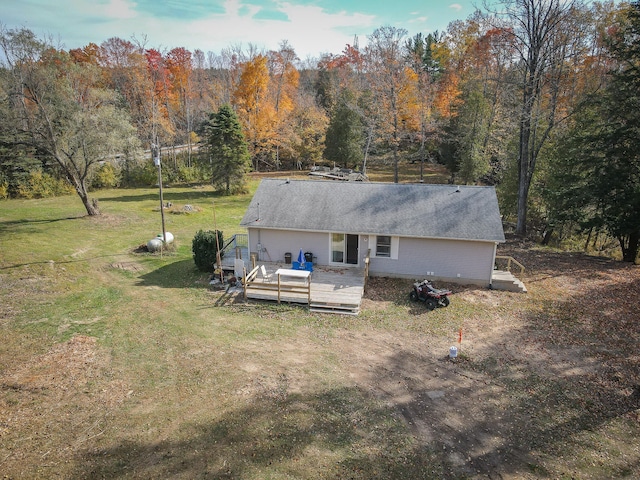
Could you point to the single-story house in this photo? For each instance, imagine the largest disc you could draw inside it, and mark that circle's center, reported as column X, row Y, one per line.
column 442, row 232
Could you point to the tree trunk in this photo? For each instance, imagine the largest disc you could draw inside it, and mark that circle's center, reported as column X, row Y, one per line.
column 396, row 176
column 524, row 179
column 395, row 164
column 523, row 194
column 366, row 150
column 525, row 163
column 630, row 244
column 586, row 244
column 90, row 205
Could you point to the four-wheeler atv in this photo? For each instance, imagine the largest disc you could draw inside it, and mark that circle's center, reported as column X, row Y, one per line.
column 431, row 296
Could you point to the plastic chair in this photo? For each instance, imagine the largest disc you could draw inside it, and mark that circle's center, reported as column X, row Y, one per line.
column 263, row 272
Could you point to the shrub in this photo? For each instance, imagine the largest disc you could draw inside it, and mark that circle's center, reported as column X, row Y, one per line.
column 38, row 184
column 205, row 248
column 4, row 190
column 190, row 174
column 107, row 176
column 144, row 174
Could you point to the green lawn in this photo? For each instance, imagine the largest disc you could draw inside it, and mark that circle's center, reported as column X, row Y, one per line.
column 164, row 380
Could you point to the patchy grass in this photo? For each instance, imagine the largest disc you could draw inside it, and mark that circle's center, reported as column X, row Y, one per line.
column 121, row 364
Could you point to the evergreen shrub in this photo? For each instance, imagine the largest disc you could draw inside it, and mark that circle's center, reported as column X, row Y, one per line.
column 205, row 248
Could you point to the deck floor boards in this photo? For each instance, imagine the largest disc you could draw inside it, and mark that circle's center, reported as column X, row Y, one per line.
column 330, row 286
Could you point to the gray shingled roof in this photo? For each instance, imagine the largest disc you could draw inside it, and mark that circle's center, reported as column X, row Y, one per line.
column 407, row 210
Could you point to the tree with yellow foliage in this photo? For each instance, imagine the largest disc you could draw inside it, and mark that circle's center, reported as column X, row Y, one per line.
column 255, row 110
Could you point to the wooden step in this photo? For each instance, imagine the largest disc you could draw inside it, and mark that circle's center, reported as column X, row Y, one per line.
column 342, row 308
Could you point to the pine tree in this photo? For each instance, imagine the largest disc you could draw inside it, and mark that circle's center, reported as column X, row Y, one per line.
column 226, row 150
column 616, row 179
column 344, row 138
column 599, row 183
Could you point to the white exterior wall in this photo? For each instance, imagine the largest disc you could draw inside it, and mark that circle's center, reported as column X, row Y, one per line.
column 276, row 243
column 446, row 259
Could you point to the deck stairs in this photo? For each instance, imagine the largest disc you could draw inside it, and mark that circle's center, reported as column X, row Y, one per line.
column 504, row 280
column 334, row 307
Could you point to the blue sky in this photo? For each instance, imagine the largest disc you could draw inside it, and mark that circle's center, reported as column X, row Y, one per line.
column 312, row 27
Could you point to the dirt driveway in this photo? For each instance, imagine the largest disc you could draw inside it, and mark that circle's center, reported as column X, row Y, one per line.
column 547, row 385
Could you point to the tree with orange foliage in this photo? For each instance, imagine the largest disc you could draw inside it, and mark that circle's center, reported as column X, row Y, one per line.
column 162, row 129
column 255, row 110
column 477, row 59
column 424, row 62
column 389, row 78
column 284, row 79
column 88, row 54
column 179, row 65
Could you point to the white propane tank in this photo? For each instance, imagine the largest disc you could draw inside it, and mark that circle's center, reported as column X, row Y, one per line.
column 154, row 245
column 169, row 238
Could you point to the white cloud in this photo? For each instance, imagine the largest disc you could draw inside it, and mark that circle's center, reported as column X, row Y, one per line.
column 309, row 29
column 119, row 9
column 455, row 6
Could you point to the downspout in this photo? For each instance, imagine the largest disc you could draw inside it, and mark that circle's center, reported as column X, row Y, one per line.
column 259, row 246
column 493, row 262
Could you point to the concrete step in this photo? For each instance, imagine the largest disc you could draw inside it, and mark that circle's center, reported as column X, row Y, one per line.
column 502, row 280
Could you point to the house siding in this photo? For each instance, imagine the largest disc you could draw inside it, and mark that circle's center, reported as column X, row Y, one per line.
column 275, row 243
column 416, row 257
column 447, row 259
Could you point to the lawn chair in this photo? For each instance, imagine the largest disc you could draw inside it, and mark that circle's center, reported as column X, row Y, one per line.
column 265, row 277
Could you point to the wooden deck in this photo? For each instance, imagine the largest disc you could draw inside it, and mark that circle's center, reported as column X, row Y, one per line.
column 333, row 289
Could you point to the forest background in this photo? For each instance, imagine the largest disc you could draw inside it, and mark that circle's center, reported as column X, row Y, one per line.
column 539, row 98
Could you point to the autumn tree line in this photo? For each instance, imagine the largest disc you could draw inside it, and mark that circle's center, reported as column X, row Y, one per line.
column 537, row 97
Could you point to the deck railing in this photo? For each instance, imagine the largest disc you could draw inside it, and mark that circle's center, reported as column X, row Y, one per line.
column 239, row 240
column 252, row 282
column 510, row 260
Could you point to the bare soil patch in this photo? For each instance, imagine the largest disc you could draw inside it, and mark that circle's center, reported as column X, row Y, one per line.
column 537, row 372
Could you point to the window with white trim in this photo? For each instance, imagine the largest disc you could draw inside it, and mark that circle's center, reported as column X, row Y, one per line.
column 383, row 246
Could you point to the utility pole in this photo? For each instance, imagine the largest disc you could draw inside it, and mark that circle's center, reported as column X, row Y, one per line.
column 155, row 149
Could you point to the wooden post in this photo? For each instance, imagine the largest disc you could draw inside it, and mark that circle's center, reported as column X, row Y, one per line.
column 157, row 160
column 278, row 289
column 244, row 273
column 215, row 229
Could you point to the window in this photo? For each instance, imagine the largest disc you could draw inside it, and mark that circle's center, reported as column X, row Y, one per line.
column 386, row 246
column 337, row 247
column 383, row 246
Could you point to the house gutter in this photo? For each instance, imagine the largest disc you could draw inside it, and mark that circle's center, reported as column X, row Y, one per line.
column 400, row 235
